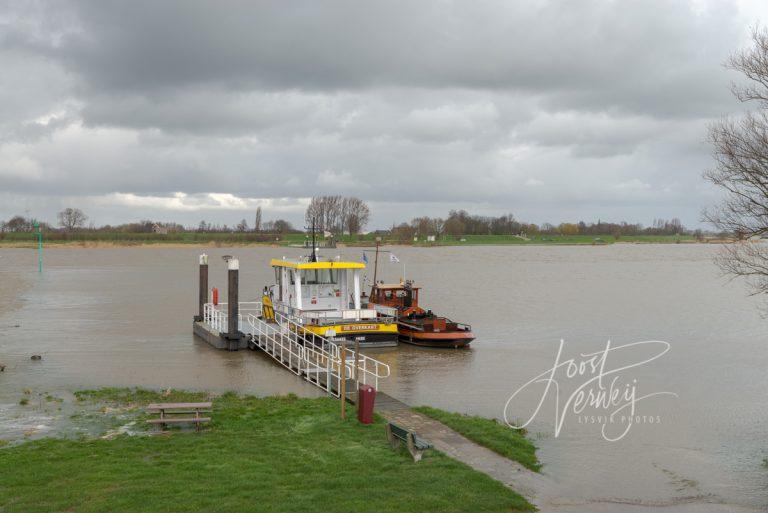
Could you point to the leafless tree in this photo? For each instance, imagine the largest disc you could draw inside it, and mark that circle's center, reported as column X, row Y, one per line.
column 18, row 224
column 324, row 212
column 740, row 148
column 71, row 218
column 257, row 221
column 282, row 226
column 337, row 214
column 242, row 226
column 357, row 215
column 425, row 226
column 403, row 232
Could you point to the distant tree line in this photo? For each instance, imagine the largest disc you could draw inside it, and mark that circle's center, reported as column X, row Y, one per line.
column 21, row 224
column 349, row 215
column 71, row 220
column 460, row 222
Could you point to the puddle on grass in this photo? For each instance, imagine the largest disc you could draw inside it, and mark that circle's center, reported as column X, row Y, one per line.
column 62, row 415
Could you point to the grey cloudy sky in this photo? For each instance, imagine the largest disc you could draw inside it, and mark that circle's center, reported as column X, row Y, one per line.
column 186, row 110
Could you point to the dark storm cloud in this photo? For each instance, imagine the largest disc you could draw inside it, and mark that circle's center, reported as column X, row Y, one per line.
column 641, row 55
column 496, row 106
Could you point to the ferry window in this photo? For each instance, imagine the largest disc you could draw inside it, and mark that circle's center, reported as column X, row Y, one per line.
column 400, row 293
column 319, row 276
column 388, row 294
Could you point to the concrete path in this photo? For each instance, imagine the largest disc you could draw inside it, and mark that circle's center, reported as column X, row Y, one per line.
column 539, row 489
column 448, row 441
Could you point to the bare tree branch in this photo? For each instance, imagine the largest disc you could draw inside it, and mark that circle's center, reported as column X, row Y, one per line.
column 740, row 150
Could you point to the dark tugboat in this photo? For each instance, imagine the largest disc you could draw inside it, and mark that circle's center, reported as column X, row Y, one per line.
column 415, row 325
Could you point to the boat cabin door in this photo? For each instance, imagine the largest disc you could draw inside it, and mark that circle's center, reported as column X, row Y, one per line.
column 408, row 298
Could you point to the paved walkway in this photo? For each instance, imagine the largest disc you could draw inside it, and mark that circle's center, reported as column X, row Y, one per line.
column 453, row 444
column 539, row 489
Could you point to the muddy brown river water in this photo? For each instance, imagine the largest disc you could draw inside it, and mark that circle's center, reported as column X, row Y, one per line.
column 122, row 316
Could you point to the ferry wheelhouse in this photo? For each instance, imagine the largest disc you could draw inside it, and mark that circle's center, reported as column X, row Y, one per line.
column 324, row 298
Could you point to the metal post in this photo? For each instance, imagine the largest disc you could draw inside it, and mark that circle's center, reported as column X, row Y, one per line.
column 39, row 246
column 203, row 291
column 343, row 378
column 376, row 261
column 357, row 377
column 233, row 330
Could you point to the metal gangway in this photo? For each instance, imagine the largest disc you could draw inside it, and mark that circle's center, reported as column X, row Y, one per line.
column 306, row 354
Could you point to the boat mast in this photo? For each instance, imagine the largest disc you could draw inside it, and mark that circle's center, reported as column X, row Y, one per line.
column 375, row 265
column 313, row 258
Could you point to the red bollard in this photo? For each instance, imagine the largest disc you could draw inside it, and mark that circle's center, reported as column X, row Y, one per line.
column 366, row 396
column 215, row 296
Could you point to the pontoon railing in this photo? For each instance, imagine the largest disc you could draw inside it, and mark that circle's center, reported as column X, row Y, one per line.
column 337, row 316
column 217, row 318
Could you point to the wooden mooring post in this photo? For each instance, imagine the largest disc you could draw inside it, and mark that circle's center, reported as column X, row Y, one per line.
column 233, row 307
column 203, row 293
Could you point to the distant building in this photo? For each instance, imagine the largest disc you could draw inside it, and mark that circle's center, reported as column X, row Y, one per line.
column 156, row 228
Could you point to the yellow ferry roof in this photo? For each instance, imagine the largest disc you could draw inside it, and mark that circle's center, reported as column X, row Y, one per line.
column 316, row 265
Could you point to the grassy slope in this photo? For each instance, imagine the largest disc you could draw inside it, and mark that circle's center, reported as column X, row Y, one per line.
column 508, row 442
column 259, row 454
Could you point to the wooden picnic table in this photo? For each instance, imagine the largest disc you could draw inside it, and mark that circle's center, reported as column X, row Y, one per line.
column 169, row 410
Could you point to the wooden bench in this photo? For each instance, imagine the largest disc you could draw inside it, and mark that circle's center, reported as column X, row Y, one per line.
column 416, row 446
column 168, row 412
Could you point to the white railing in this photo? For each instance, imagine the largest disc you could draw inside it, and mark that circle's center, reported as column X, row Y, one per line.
column 312, row 356
column 217, row 318
column 338, row 316
column 386, row 311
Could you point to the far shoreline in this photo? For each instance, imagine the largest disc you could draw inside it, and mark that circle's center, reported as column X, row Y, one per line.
column 218, row 244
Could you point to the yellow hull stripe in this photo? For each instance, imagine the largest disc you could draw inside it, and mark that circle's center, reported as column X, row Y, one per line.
column 352, row 328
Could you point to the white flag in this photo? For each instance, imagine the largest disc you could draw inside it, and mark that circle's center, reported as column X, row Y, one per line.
column 393, row 258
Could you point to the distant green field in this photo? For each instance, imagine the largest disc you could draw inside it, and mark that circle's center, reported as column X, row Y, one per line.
column 155, row 238
column 558, row 239
column 224, row 238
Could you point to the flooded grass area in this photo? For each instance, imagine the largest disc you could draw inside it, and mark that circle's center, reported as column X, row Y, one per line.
column 62, row 414
column 278, row 453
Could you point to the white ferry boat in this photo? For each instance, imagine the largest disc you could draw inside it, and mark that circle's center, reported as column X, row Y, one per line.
column 324, row 298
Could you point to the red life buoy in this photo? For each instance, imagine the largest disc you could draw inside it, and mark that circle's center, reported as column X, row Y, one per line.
column 215, row 296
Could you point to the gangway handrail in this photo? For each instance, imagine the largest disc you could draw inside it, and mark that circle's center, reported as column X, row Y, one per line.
column 310, row 355
column 302, row 351
column 334, row 348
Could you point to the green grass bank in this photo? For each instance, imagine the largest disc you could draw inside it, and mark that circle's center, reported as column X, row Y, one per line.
column 510, row 443
column 276, row 454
